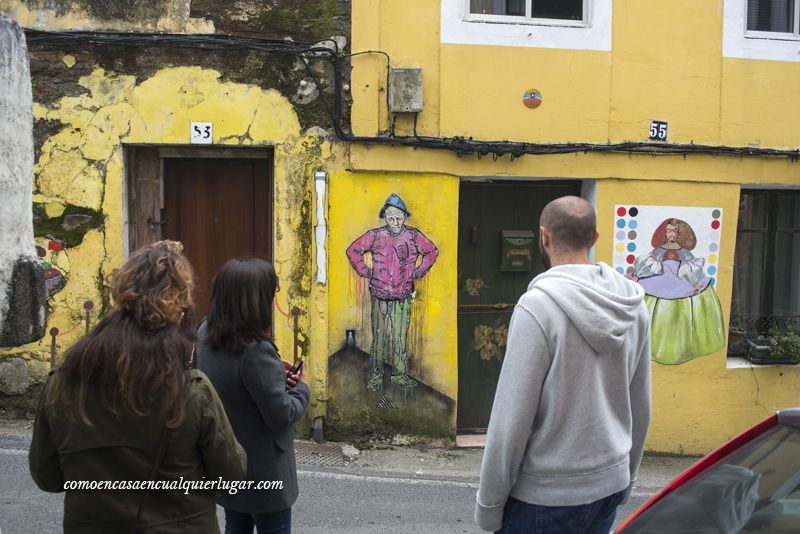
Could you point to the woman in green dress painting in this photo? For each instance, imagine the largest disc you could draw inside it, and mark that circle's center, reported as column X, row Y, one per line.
column 685, row 313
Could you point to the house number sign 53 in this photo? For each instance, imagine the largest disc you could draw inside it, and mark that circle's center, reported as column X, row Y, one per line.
column 201, row 133
column 658, row 130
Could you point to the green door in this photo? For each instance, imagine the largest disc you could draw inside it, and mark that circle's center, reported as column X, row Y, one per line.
column 487, row 294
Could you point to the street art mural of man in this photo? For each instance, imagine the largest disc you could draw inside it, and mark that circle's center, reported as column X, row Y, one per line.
column 686, row 315
column 400, row 255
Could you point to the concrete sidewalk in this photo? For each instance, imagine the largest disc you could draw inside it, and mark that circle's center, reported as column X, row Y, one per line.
column 464, row 463
column 461, row 464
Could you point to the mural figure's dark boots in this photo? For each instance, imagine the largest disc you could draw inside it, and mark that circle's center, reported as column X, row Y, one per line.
column 375, row 381
column 403, row 380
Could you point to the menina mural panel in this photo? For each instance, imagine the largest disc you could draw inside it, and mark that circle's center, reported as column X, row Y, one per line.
column 673, row 252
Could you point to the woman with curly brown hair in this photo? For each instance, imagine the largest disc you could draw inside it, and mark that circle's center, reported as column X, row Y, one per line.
column 122, row 407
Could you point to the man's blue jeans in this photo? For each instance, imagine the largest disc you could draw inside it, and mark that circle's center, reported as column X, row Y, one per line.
column 593, row 518
column 271, row 523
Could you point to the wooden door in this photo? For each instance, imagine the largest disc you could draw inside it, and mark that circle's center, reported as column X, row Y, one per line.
column 487, row 295
column 219, row 209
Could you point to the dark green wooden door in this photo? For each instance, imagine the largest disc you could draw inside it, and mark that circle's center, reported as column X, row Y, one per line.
column 487, row 295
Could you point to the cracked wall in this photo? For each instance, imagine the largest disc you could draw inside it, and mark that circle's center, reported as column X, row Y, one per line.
column 78, row 191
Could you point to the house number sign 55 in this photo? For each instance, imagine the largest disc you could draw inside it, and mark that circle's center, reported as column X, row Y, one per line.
column 201, row 133
column 658, row 130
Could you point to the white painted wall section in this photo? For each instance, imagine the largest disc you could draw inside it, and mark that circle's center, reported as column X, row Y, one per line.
column 16, row 157
column 321, row 229
column 736, row 42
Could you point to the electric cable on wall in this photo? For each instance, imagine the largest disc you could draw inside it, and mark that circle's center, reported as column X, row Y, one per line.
column 462, row 146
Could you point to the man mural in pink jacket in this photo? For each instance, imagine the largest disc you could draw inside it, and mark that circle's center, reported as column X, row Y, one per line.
column 395, row 249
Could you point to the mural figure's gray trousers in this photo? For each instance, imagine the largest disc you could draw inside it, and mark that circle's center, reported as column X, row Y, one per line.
column 390, row 320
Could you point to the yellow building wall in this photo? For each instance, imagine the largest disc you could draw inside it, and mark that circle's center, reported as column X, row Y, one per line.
column 82, row 165
column 355, row 202
column 592, row 165
column 665, row 63
column 760, row 104
column 701, row 403
column 482, row 88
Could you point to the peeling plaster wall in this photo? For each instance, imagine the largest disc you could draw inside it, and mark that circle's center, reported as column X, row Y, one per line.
column 81, row 166
column 90, row 100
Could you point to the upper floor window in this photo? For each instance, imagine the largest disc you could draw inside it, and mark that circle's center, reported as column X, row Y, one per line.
column 773, row 17
column 544, row 11
column 761, row 29
column 558, row 24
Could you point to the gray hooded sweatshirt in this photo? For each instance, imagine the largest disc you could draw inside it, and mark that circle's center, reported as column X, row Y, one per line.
column 572, row 407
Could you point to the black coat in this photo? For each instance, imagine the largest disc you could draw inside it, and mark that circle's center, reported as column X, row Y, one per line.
column 252, row 387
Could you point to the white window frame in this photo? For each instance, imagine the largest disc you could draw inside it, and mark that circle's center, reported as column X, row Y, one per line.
column 528, row 17
column 737, row 42
column 778, row 36
column 459, row 26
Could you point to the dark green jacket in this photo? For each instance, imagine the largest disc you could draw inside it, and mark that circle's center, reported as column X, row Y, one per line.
column 122, row 448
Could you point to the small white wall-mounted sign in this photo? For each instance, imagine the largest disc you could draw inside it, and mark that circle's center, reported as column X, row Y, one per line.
column 201, row 133
column 658, row 130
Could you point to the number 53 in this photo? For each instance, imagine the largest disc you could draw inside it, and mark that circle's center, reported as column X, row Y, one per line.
column 205, row 132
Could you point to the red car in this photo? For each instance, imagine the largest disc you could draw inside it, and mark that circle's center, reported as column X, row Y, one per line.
column 750, row 484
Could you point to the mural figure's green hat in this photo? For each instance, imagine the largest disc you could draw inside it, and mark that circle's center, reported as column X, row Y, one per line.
column 394, row 201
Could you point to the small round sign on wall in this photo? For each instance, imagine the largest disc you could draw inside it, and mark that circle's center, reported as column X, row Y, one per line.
column 532, row 98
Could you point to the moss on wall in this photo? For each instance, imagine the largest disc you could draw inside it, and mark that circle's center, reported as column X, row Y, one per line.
column 70, row 227
column 302, row 20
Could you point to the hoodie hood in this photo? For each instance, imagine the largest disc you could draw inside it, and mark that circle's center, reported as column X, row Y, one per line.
column 602, row 304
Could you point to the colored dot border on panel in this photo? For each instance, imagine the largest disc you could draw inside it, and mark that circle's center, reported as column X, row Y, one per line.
column 625, row 235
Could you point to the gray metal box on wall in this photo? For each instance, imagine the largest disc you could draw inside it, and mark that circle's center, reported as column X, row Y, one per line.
column 405, row 90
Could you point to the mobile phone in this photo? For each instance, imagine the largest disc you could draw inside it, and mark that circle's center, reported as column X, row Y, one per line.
column 296, row 368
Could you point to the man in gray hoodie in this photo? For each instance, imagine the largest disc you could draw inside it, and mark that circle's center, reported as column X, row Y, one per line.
column 572, row 407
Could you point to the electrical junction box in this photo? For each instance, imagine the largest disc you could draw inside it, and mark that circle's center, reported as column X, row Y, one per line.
column 516, row 247
column 405, row 90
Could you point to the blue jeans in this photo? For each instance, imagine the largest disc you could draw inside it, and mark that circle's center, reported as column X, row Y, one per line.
column 272, row 523
column 593, row 518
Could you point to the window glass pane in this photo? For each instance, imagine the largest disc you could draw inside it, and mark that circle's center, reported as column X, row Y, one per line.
column 770, row 15
column 497, row 7
column 753, row 489
column 753, row 210
column 789, row 211
column 786, row 293
column 748, row 272
column 557, row 9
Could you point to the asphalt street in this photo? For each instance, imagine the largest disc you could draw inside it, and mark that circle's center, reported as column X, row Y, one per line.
column 345, row 500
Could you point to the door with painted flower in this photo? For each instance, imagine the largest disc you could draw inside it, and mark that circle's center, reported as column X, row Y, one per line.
column 488, row 286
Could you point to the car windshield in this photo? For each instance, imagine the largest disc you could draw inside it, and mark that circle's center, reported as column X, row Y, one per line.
column 756, row 488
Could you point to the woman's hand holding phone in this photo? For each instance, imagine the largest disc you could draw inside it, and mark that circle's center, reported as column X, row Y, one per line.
column 294, row 373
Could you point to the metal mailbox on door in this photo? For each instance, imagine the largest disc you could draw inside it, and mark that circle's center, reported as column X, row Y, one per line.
column 516, row 250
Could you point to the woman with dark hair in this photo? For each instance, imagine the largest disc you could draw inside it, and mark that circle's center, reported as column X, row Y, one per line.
column 122, row 409
column 237, row 352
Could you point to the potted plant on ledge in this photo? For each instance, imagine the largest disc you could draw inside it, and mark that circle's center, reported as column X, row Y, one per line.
column 776, row 349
